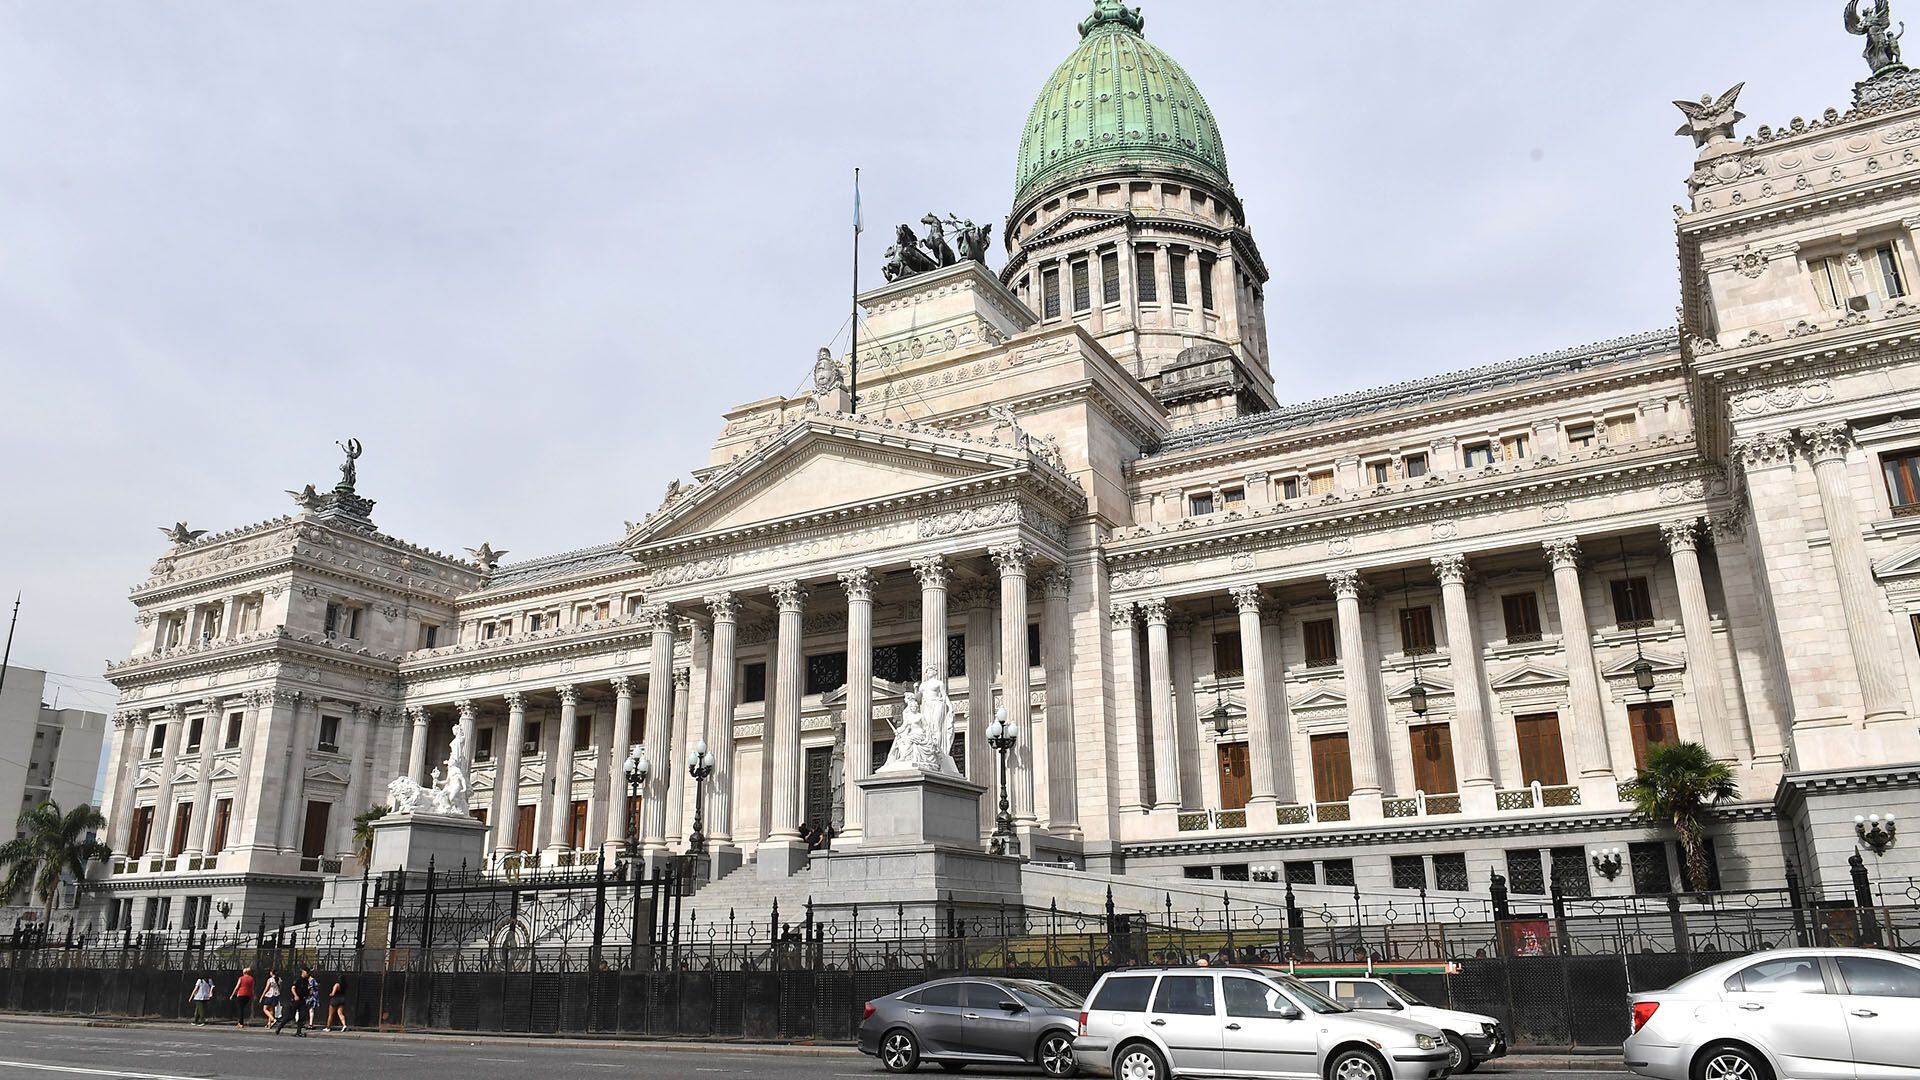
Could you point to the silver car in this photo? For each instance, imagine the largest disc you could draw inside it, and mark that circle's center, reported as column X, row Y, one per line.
column 1475, row 1038
column 1160, row 1023
column 973, row 1021
column 1794, row 1014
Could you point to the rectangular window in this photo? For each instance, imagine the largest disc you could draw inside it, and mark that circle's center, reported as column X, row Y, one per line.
column 898, row 662
column 222, row 821
column 1830, row 281
column 577, row 825
column 329, row 742
column 1144, row 282
column 1415, row 466
column 530, row 741
column 535, row 621
column 1290, row 487
column 1477, row 455
column 826, row 672
column 1713, row 871
column 1579, row 437
column 1207, row 264
column 957, row 750
column 1570, row 871
column 182, row 826
column 523, row 827
column 1332, row 768
column 1200, row 503
column 1632, row 606
column 1522, row 612
column 142, row 831
column 1893, row 284
column 1236, row 784
column 232, row 738
column 429, row 636
column 1651, row 725
column 1450, row 872
column 1318, row 638
column 1379, row 472
column 1620, row 429
column 1177, row 276
column 194, row 729
column 1301, row 873
column 583, row 733
column 1409, row 872
column 1082, row 288
column 1233, row 496
column 1902, row 471
column 753, row 683
column 1228, row 662
column 1338, row 872
column 1033, row 644
column 1109, row 278
column 1648, row 861
column 1432, row 746
column 1416, row 630
column 1320, row 483
column 1513, row 447
column 1523, row 873
column 333, row 620
column 483, row 744
column 1050, row 294
column 1542, row 761
column 157, row 741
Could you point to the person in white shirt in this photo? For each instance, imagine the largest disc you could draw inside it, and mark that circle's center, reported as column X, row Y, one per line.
column 202, row 993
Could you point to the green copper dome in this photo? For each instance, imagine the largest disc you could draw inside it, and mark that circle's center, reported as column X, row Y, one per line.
column 1117, row 100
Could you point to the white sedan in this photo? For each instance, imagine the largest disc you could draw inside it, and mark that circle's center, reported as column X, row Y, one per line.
column 1794, row 1014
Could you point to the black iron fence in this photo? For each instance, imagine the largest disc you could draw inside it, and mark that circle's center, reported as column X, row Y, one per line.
column 589, row 950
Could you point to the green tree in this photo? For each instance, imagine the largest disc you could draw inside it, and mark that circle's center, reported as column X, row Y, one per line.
column 51, row 845
column 363, row 829
column 1680, row 784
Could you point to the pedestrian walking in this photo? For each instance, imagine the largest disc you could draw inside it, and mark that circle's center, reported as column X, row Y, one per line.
column 313, row 997
column 202, row 993
column 337, row 1005
column 242, row 996
column 295, row 1009
column 270, row 999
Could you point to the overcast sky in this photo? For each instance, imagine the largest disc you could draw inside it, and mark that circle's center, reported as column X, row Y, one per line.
column 528, row 253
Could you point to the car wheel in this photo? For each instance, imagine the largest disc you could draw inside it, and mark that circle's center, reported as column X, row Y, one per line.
column 1138, row 1061
column 899, row 1052
column 1357, row 1065
column 1462, row 1060
column 1732, row 1063
column 1055, row 1056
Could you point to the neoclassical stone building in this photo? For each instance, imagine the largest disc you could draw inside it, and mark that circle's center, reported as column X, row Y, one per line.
column 1404, row 637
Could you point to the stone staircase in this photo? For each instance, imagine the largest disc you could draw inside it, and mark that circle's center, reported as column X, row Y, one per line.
column 749, row 898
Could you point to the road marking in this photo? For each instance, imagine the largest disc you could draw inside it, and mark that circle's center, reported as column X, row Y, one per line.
column 93, row 1072
column 509, row 1061
column 614, row 1065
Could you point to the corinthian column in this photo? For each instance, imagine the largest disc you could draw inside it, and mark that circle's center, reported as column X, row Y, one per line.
column 859, row 704
column 783, row 851
column 1470, row 726
column 417, row 749
column 560, row 774
column 1362, row 741
column 506, row 776
column 934, row 574
column 1865, row 608
column 1264, row 793
column 1703, row 661
column 203, row 780
column 1056, row 653
column 1166, row 737
column 719, row 823
column 1592, row 758
column 161, row 834
column 1016, row 677
column 659, row 740
column 617, row 809
column 364, row 720
column 677, row 778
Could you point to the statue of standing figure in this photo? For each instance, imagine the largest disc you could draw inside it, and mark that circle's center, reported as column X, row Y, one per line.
column 921, row 736
column 1875, row 23
column 349, row 472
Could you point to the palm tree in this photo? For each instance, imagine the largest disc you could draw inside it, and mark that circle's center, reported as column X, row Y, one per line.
column 51, row 845
column 1680, row 783
column 363, row 829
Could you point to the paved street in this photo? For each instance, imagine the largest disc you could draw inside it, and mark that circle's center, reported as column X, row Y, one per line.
column 176, row 1051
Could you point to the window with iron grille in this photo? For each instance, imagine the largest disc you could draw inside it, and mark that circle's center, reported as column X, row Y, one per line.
column 956, row 655
column 1206, row 281
column 898, row 662
column 1523, row 873
column 1198, row 873
column 1082, row 288
column 1409, row 872
column 1522, row 611
column 1632, row 605
column 1177, row 276
column 1648, row 861
column 1317, row 635
column 1144, row 281
column 1450, row 872
column 1416, row 630
column 1227, row 660
column 826, row 672
column 1233, row 872
column 959, row 752
column 1338, row 871
column 1570, row 871
column 1109, row 278
column 1050, row 294
column 1301, row 873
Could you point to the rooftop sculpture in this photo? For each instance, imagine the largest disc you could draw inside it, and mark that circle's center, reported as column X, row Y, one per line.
column 1875, row 23
column 912, row 255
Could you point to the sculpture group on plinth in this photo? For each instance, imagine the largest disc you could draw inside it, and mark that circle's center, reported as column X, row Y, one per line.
column 912, row 255
column 921, row 737
column 1882, row 51
column 446, row 796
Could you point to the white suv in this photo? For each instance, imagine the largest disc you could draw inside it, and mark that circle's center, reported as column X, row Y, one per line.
column 1161, row 1023
column 1475, row 1038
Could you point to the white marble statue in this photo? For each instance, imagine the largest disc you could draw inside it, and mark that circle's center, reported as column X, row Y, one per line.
column 445, row 795
column 921, row 737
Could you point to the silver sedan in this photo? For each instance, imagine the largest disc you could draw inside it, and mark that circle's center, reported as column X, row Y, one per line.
column 1794, row 1014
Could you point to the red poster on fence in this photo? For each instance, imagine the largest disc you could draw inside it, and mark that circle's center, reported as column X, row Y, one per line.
column 1528, row 937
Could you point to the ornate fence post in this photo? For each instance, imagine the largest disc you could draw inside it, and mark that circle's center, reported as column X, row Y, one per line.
column 1296, row 933
column 360, row 918
column 1863, row 900
column 1502, row 911
column 1795, row 902
column 1226, row 912
column 426, row 922
column 1560, row 934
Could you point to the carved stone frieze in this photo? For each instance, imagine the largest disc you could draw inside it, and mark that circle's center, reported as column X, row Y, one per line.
column 1778, row 399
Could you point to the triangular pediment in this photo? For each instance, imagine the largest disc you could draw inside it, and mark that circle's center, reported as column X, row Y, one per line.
column 1899, row 565
column 1077, row 218
column 1322, row 697
column 226, row 768
column 1662, row 665
column 823, row 463
column 1435, row 687
column 1529, row 676
column 328, row 773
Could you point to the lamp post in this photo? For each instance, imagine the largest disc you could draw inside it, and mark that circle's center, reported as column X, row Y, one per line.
column 699, row 767
column 637, row 771
column 1875, row 831
column 1001, row 736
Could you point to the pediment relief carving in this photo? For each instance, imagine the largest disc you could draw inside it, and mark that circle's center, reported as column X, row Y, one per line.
column 1319, row 698
column 1529, row 677
column 327, row 773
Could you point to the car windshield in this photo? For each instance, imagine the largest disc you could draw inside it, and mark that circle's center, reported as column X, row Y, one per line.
column 1405, row 995
column 1313, row 1000
column 1045, row 995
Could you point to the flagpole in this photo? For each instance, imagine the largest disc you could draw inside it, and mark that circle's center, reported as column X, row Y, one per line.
column 853, row 322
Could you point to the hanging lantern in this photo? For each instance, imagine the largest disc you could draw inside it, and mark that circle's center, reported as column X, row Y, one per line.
column 1643, row 675
column 1417, row 698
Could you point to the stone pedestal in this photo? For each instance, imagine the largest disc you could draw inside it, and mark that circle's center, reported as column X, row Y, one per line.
column 409, row 842
column 921, row 846
column 920, row 808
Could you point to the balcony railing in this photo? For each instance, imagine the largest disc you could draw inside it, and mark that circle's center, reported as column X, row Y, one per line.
column 1536, row 796
column 1421, row 805
column 324, row 864
column 1204, row 820
column 1332, row 811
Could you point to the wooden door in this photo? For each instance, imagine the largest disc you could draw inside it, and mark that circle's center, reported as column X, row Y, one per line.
column 222, row 821
column 182, row 825
column 817, row 807
column 1652, row 725
column 1433, row 759
column 141, row 833
column 1332, row 768
column 1236, row 786
column 523, row 827
column 313, row 842
column 1542, row 760
column 577, row 825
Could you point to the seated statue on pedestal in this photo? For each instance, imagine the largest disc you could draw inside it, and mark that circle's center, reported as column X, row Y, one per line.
column 921, row 738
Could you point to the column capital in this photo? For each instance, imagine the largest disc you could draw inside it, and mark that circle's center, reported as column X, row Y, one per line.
column 1451, row 568
column 1011, row 558
column 1154, row 611
column 1563, row 552
column 467, row 710
column 1058, row 582
column 660, row 614
column 516, row 701
column 417, row 714
column 723, row 606
column 1121, row 616
column 568, row 695
column 858, row 584
column 1246, row 597
column 1827, row 442
column 933, row 572
column 1347, row 584
column 790, row 596
column 1683, row 535
column 1763, row 449
column 622, row 686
